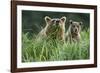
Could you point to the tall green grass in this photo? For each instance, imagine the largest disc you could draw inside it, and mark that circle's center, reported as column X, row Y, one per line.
column 37, row 49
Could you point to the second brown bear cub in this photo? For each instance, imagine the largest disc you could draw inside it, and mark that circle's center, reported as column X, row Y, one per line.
column 54, row 29
column 73, row 33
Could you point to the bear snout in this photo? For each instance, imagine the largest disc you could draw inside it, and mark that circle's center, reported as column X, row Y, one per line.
column 76, row 30
column 57, row 22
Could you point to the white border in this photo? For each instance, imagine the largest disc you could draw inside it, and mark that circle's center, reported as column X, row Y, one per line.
column 54, row 63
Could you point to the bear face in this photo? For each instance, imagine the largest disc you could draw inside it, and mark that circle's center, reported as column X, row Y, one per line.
column 75, row 27
column 55, row 28
column 55, row 23
column 73, row 33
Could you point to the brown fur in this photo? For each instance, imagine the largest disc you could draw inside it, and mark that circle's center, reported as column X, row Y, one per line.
column 54, row 29
column 73, row 33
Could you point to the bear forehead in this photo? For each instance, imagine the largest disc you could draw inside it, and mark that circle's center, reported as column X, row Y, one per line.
column 55, row 19
column 76, row 23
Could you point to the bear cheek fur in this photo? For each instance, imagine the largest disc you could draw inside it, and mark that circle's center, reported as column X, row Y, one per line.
column 61, row 32
column 48, row 30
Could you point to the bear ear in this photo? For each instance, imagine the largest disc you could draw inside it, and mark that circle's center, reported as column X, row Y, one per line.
column 70, row 21
column 63, row 19
column 47, row 19
column 81, row 23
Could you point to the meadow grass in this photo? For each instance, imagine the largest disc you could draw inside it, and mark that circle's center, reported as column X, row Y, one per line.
column 37, row 49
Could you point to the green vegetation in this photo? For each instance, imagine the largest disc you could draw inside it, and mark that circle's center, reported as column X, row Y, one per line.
column 36, row 49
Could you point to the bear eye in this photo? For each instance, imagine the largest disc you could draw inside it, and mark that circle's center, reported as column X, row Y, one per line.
column 53, row 21
column 73, row 25
column 77, row 26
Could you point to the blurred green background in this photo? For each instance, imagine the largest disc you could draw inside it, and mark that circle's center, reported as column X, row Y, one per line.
column 33, row 21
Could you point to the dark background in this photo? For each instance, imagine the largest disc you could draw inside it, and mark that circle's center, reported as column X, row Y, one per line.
column 33, row 21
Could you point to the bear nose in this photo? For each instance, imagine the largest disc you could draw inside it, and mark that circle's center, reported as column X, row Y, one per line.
column 57, row 21
column 75, row 30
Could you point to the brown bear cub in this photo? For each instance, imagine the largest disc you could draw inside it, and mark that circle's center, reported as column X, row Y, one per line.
column 54, row 29
column 73, row 33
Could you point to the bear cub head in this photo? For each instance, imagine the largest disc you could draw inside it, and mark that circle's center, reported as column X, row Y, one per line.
column 73, row 33
column 55, row 22
column 55, row 27
column 75, row 27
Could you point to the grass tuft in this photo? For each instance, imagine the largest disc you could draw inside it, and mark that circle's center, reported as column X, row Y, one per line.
column 37, row 49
